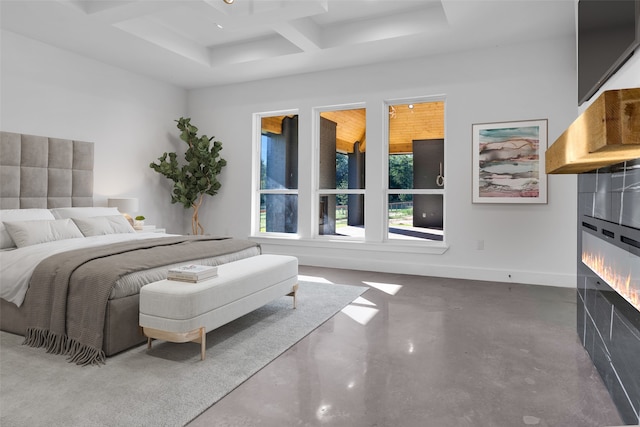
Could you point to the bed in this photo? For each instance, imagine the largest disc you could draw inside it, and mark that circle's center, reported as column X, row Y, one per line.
column 49, row 226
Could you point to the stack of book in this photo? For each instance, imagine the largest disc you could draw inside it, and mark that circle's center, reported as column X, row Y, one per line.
column 144, row 227
column 192, row 273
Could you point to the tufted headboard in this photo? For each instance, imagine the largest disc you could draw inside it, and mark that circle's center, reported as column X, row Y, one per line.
column 42, row 172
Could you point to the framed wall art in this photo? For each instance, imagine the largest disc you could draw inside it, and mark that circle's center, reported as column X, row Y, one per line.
column 509, row 162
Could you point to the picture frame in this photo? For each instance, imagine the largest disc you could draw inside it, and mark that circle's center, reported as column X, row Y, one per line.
column 509, row 162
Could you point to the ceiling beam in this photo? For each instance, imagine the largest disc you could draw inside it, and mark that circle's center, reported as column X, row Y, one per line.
column 115, row 12
column 153, row 32
column 401, row 148
column 272, row 124
column 244, row 14
column 363, row 141
column 423, row 20
column 303, row 32
column 255, row 50
column 343, row 146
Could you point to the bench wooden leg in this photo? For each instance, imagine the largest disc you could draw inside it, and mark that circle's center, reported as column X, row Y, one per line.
column 203, row 342
column 293, row 294
column 197, row 335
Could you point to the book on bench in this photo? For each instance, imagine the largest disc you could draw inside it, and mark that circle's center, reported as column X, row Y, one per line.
column 192, row 273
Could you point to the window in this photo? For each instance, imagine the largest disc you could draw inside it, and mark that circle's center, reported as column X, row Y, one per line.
column 278, row 189
column 341, row 172
column 316, row 191
column 415, row 208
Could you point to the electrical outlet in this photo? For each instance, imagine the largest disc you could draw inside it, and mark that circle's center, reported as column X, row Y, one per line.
column 480, row 245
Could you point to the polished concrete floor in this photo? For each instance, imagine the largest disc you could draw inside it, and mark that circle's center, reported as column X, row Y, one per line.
column 419, row 351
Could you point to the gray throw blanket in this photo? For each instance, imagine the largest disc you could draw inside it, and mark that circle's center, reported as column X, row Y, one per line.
column 70, row 290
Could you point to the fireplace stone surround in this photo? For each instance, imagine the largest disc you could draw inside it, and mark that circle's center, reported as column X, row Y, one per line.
column 608, row 323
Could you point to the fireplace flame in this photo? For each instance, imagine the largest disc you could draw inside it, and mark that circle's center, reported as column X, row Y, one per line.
column 620, row 282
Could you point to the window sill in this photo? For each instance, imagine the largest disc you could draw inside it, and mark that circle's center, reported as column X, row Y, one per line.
column 428, row 247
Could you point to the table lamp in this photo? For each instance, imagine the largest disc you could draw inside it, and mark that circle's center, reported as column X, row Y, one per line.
column 125, row 206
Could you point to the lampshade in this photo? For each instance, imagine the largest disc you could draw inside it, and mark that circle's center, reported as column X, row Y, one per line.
column 127, row 205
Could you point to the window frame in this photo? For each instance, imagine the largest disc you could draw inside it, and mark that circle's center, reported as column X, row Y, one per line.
column 376, row 193
column 256, row 191
column 317, row 191
column 387, row 103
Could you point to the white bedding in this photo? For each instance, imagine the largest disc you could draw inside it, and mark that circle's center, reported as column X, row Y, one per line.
column 17, row 266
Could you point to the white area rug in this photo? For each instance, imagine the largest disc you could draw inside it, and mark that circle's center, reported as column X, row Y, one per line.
column 166, row 386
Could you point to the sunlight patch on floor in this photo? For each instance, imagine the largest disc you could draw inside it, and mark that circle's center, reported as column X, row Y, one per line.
column 363, row 301
column 314, row 279
column 388, row 288
column 359, row 313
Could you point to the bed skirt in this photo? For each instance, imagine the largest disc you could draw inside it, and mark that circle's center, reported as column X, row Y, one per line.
column 121, row 330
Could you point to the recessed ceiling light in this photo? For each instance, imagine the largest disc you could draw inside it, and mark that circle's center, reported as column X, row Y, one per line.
column 228, row 1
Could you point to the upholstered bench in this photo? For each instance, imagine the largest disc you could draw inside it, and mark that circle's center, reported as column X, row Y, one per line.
column 181, row 312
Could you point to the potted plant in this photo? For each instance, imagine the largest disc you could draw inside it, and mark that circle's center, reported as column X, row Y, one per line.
column 198, row 175
column 138, row 222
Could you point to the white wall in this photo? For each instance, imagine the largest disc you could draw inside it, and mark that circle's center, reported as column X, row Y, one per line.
column 52, row 92
column 532, row 243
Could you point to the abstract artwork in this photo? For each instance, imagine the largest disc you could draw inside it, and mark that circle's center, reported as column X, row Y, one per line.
column 508, row 162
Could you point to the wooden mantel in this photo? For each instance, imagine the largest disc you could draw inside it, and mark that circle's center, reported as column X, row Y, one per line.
column 606, row 133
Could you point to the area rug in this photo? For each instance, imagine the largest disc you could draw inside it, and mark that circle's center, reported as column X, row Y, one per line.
column 165, row 386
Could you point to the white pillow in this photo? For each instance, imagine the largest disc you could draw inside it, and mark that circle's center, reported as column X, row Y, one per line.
column 19, row 215
column 27, row 233
column 99, row 225
column 88, row 212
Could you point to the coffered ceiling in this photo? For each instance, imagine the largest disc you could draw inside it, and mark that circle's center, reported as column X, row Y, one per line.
column 198, row 43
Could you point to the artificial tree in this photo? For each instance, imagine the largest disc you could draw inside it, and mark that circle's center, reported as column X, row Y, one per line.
column 198, row 175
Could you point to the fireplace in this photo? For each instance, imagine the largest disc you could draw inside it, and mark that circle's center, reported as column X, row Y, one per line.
column 617, row 267
column 602, row 146
column 608, row 315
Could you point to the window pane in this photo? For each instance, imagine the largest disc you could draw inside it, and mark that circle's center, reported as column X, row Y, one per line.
column 342, row 171
column 342, row 149
column 401, row 171
column 428, row 159
column 279, row 153
column 416, row 216
column 416, row 146
column 341, row 215
column 279, row 213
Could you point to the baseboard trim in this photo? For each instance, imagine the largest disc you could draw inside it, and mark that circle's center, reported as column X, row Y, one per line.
column 437, row 270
